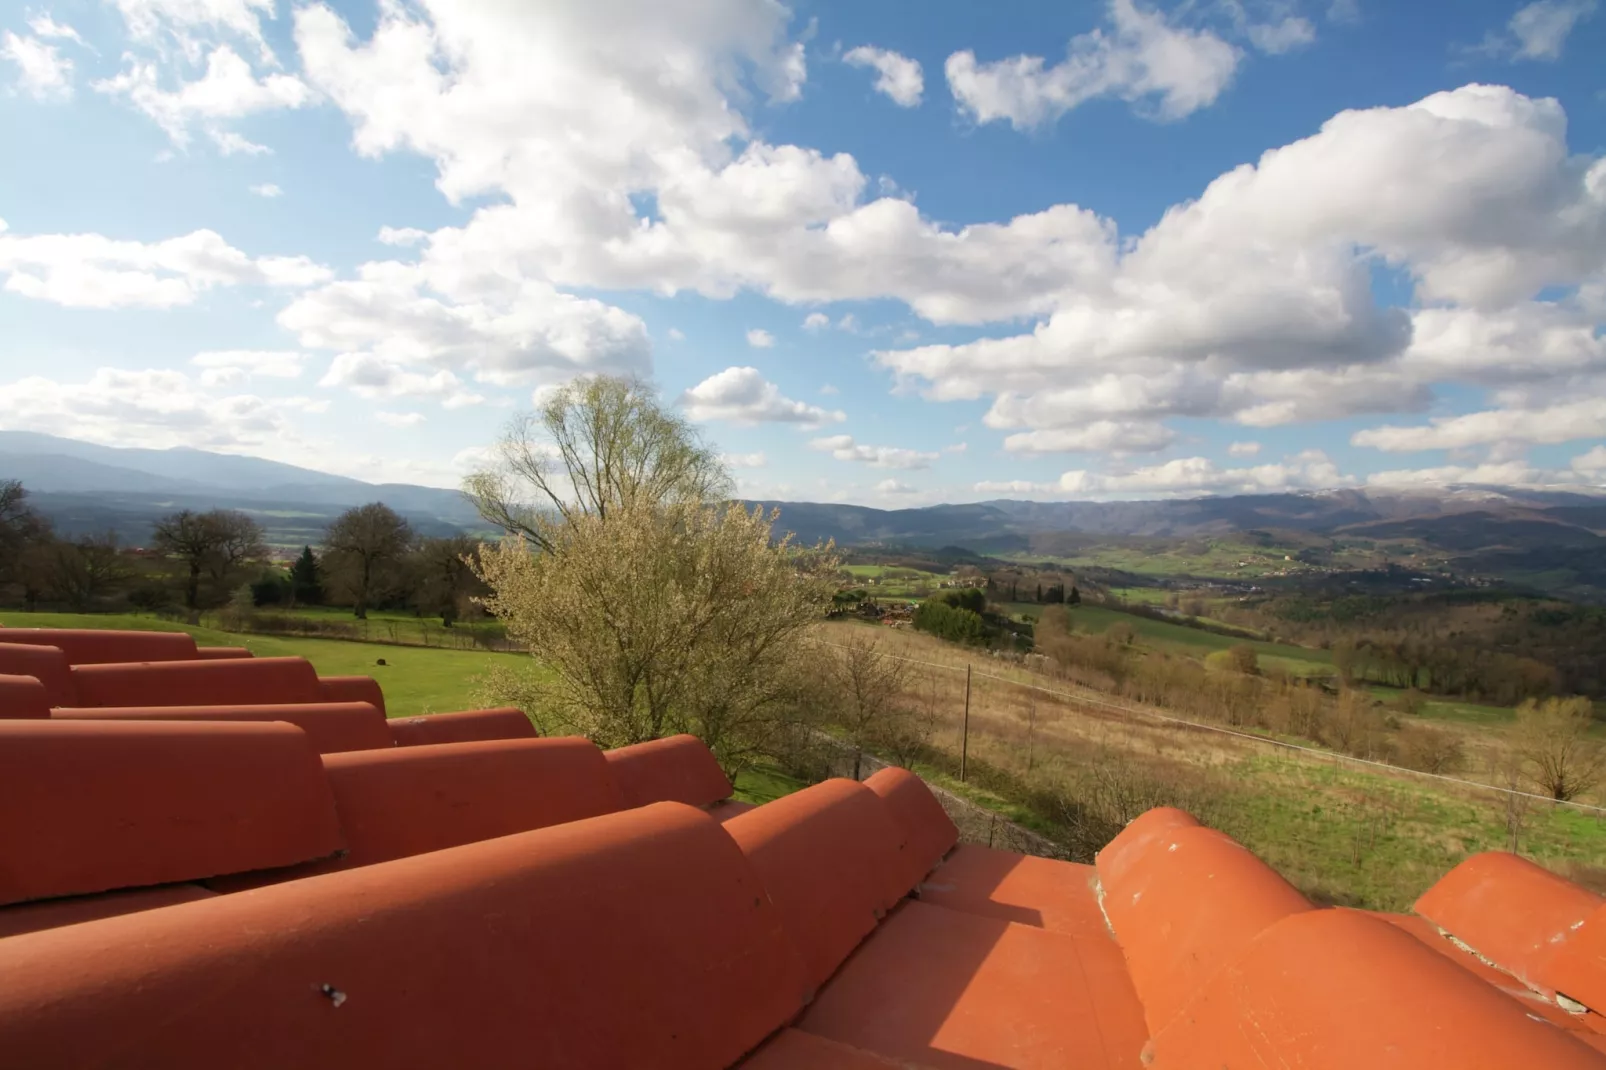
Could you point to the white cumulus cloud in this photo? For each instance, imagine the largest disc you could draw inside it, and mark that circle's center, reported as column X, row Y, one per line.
column 897, row 76
column 1142, row 57
column 844, row 448
column 744, row 396
column 94, row 271
column 759, row 338
column 42, row 71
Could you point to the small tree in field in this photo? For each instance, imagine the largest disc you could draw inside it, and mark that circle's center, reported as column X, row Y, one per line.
column 657, row 606
column 1552, row 738
column 867, row 681
column 682, row 618
column 361, row 546
column 306, row 586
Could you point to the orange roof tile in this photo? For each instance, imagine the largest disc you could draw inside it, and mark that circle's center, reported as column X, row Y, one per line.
column 1510, row 911
column 675, row 769
column 90, row 806
column 196, row 683
column 641, row 938
column 44, row 914
column 793, row 1049
column 331, row 727
column 1049, row 894
column 1579, row 968
column 23, row 696
column 656, row 936
column 829, row 857
column 92, row 646
column 464, row 726
column 1337, row 990
column 409, row 800
column 928, row 830
column 352, row 689
column 46, row 664
column 1189, row 904
column 946, row 989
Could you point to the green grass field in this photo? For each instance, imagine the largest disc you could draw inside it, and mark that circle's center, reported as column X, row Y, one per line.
column 1191, row 642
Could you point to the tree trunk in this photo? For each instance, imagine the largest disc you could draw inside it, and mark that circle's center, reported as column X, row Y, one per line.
column 192, row 592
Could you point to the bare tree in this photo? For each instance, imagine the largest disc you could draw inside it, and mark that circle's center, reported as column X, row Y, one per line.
column 21, row 528
column 445, row 575
column 1552, row 737
column 85, row 570
column 214, row 544
column 597, row 445
column 868, row 682
column 360, row 545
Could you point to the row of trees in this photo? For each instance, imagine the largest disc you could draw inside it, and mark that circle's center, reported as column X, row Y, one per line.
column 369, row 556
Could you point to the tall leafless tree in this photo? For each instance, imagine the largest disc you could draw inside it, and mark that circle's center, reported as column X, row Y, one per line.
column 213, row 544
column 360, row 545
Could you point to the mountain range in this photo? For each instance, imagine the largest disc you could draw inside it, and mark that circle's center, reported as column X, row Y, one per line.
column 88, row 488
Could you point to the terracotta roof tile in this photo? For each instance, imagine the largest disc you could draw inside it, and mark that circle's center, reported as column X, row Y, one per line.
column 1516, row 914
column 675, row 769
column 636, row 939
column 793, row 1049
column 464, row 726
column 352, row 689
column 44, row 914
column 1053, row 895
column 196, row 683
column 331, row 727
column 1337, row 990
column 1579, row 968
column 1534, row 1002
column 1189, row 903
column 92, row 646
column 219, row 653
column 927, row 828
column 46, row 664
column 943, row 988
column 657, row 936
column 23, row 696
column 1134, row 842
column 410, row 800
column 829, row 856
column 91, row 806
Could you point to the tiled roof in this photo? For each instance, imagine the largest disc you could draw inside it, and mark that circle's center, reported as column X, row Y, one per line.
column 186, row 881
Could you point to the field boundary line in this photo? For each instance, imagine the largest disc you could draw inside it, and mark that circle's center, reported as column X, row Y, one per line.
column 1143, row 711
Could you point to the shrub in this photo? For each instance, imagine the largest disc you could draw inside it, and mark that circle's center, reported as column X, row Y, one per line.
column 1429, row 750
column 948, row 622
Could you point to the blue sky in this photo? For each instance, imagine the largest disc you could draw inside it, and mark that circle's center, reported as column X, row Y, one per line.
column 1106, row 250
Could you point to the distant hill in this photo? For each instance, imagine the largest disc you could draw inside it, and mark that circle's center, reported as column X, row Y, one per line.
column 1553, row 539
column 86, row 488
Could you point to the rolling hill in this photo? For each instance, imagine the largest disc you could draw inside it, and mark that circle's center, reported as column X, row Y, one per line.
column 1550, row 540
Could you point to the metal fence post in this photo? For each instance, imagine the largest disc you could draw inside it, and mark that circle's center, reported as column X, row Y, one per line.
column 964, row 741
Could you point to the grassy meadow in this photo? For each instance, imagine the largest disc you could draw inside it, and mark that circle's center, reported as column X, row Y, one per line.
column 1342, row 832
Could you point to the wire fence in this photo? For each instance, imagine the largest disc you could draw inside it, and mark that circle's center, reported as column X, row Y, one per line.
column 1009, row 716
column 976, row 823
